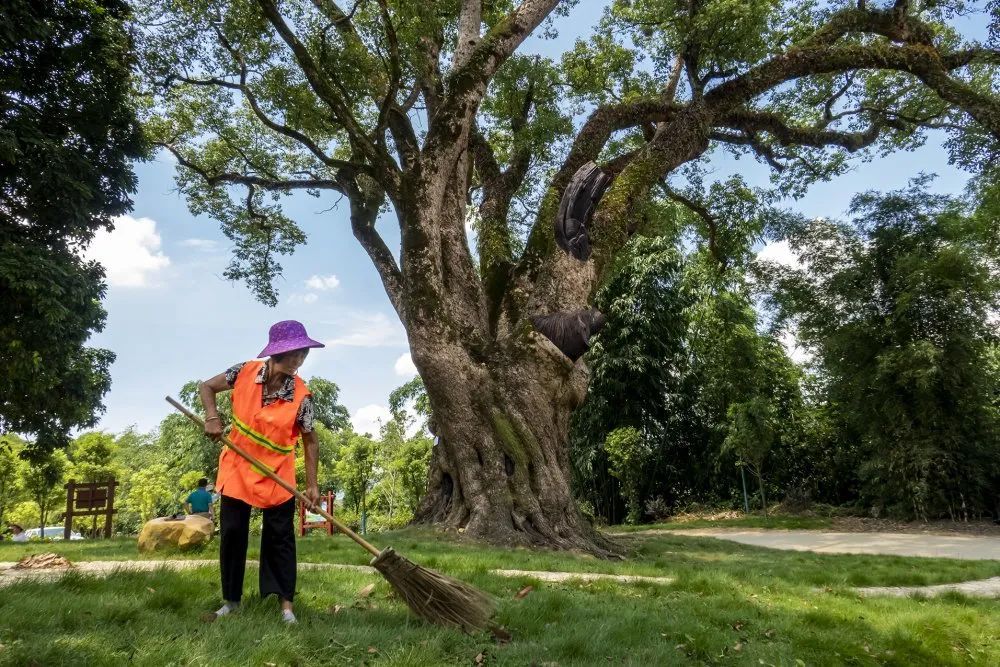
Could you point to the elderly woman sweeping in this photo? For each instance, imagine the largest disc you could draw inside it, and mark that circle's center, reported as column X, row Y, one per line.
column 272, row 408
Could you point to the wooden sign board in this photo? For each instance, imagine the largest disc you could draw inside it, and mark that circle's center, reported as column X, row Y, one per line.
column 90, row 499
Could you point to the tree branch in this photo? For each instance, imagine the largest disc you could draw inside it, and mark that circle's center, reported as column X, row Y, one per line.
column 601, row 124
column 706, row 215
column 365, row 206
column 272, row 184
column 922, row 62
column 325, row 89
column 752, row 121
column 469, row 21
column 280, row 128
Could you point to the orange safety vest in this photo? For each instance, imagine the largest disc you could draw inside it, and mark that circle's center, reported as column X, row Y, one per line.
column 268, row 433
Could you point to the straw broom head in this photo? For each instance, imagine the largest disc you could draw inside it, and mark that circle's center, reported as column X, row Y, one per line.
column 433, row 596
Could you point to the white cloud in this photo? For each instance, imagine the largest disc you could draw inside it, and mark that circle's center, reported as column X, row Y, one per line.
column 206, row 245
column 307, row 298
column 131, row 253
column 323, row 282
column 404, row 366
column 370, row 418
column 780, row 252
column 368, row 330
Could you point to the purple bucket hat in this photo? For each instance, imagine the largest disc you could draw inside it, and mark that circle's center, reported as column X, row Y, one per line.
column 286, row 336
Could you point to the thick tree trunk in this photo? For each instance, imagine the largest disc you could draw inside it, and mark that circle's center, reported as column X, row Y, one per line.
column 500, row 468
column 502, row 397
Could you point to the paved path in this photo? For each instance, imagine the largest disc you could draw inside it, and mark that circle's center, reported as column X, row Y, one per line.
column 984, row 588
column 584, row 576
column 102, row 568
column 964, row 547
column 10, row 575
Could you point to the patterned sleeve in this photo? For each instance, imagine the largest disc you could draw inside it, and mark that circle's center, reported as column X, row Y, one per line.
column 306, row 417
column 232, row 372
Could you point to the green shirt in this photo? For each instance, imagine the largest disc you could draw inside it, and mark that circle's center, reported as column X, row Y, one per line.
column 200, row 500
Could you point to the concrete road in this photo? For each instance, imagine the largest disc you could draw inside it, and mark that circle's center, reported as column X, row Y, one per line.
column 964, row 547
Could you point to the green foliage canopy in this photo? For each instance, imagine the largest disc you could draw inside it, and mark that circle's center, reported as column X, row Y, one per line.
column 68, row 135
column 898, row 307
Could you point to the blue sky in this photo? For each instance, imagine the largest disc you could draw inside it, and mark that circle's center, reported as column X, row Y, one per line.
column 173, row 318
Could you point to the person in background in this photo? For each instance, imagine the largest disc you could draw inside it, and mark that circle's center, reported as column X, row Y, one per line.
column 17, row 533
column 200, row 501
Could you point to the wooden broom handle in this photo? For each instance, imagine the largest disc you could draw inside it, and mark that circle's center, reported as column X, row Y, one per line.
column 282, row 483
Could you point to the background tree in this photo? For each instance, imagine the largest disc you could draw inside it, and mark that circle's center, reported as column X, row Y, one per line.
column 326, row 406
column 10, row 472
column 93, row 457
column 68, row 135
column 401, row 470
column 355, row 469
column 683, row 361
column 150, row 492
column 640, row 379
column 897, row 308
column 43, row 483
column 627, row 454
column 428, row 109
column 409, row 403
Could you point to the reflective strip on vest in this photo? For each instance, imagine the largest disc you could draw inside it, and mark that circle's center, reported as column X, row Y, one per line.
column 260, row 439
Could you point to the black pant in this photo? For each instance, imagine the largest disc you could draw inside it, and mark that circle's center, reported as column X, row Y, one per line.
column 277, row 549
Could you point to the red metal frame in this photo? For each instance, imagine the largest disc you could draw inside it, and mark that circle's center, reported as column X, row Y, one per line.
column 306, row 525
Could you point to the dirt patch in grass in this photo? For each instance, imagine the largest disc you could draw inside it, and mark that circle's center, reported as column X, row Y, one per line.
column 855, row 524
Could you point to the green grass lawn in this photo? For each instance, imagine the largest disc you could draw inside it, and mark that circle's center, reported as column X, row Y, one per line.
column 730, row 604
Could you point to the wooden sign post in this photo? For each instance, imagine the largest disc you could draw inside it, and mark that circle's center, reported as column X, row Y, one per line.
column 90, row 499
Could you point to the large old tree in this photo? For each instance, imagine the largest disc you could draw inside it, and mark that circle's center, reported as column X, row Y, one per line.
column 427, row 110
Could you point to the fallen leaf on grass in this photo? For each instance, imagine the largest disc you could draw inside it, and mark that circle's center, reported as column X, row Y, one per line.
column 480, row 659
column 366, row 591
column 372, row 649
column 335, row 609
column 769, row 633
column 523, row 593
column 738, row 625
column 151, row 590
column 738, row 647
column 500, row 634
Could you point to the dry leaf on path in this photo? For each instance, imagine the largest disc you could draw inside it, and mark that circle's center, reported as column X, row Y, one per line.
column 523, row 593
column 47, row 561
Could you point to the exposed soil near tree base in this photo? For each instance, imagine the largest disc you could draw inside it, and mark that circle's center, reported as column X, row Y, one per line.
column 867, row 525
